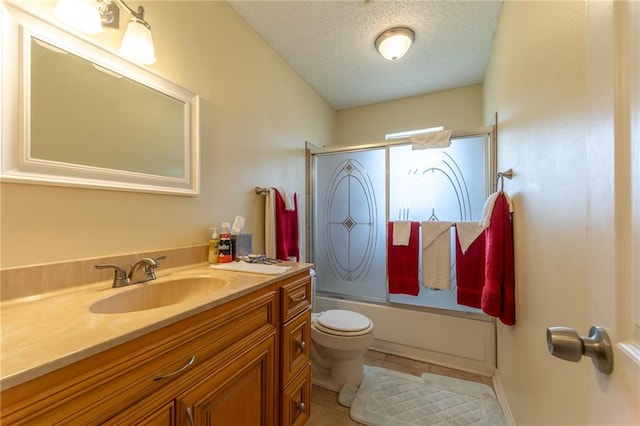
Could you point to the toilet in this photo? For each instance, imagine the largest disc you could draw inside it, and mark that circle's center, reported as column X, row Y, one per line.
column 339, row 340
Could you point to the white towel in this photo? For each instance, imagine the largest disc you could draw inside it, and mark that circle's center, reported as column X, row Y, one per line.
column 254, row 268
column 270, row 224
column 288, row 199
column 429, row 140
column 487, row 209
column 467, row 233
column 401, row 233
column 436, row 255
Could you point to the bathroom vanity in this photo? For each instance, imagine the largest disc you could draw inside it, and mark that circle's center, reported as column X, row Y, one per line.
column 237, row 356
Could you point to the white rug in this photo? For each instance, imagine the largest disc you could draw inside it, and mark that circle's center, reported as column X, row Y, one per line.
column 390, row 398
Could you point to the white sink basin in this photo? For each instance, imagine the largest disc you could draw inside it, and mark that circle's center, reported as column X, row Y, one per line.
column 152, row 295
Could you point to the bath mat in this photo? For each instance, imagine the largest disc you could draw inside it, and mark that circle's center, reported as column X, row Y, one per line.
column 390, row 398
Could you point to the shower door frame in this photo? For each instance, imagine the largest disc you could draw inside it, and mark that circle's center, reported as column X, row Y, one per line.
column 490, row 137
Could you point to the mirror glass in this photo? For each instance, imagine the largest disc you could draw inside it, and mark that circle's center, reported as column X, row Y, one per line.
column 111, row 122
column 88, row 117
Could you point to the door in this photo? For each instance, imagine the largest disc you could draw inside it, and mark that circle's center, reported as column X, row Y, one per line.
column 614, row 76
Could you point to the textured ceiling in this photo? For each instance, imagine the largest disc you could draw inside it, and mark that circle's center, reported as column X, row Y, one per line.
column 331, row 44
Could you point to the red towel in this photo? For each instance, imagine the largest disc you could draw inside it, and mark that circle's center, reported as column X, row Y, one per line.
column 470, row 272
column 498, row 295
column 286, row 229
column 402, row 263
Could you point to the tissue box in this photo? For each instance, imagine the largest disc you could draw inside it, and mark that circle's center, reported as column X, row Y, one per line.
column 242, row 245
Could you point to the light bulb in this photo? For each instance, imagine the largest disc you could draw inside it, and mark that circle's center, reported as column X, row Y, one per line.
column 82, row 15
column 137, row 43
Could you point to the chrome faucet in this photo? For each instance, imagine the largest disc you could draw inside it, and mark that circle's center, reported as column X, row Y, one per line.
column 147, row 268
column 141, row 271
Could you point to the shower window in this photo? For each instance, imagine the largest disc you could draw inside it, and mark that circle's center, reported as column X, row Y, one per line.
column 356, row 192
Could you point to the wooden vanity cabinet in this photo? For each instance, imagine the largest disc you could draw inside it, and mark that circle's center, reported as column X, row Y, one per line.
column 245, row 362
column 295, row 350
column 125, row 382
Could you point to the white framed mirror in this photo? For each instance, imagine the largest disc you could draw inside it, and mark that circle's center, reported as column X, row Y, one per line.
column 76, row 114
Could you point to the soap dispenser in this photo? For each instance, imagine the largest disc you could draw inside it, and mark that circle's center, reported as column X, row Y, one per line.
column 214, row 242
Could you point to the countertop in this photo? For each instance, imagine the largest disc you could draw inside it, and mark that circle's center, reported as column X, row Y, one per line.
column 43, row 333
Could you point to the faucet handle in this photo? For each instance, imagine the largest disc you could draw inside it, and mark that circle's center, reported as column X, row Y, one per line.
column 120, row 278
column 150, row 267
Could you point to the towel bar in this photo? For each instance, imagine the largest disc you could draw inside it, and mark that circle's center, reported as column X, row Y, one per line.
column 500, row 179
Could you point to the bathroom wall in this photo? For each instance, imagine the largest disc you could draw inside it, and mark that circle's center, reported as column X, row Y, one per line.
column 256, row 114
column 456, row 109
column 543, row 80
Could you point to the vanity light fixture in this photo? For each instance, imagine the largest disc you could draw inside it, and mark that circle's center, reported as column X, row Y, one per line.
column 89, row 16
column 81, row 15
column 394, row 43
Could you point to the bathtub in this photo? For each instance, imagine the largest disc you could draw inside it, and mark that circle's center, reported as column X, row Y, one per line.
column 451, row 339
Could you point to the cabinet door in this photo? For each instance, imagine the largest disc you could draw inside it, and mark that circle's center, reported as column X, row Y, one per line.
column 146, row 413
column 296, row 401
column 296, row 347
column 238, row 393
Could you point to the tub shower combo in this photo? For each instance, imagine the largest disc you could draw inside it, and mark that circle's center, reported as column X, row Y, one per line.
column 355, row 193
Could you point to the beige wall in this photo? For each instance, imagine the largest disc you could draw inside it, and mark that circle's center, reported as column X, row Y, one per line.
column 456, row 109
column 536, row 83
column 256, row 115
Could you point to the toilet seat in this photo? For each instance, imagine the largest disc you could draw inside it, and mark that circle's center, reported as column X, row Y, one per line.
column 339, row 322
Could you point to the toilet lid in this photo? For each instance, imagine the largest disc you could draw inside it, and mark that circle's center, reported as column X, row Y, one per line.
column 343, row 321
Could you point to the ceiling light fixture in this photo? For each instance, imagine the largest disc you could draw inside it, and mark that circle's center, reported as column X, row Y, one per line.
column 394, row 43
column 89, row 16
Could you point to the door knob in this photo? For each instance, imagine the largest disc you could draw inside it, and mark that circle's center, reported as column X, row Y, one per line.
column 565, row 343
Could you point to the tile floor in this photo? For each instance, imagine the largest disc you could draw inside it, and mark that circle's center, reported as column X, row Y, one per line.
column 327, row 411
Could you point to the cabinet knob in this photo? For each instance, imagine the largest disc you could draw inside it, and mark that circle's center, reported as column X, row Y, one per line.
column 301, row 406
column 302, row 345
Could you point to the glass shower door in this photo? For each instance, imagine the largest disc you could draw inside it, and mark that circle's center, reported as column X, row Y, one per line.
column 349, row 227
column 446, row 184
column 357, row 192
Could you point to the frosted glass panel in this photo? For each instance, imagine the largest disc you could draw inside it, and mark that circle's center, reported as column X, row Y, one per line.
column 349, row 237
column 437, row 184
